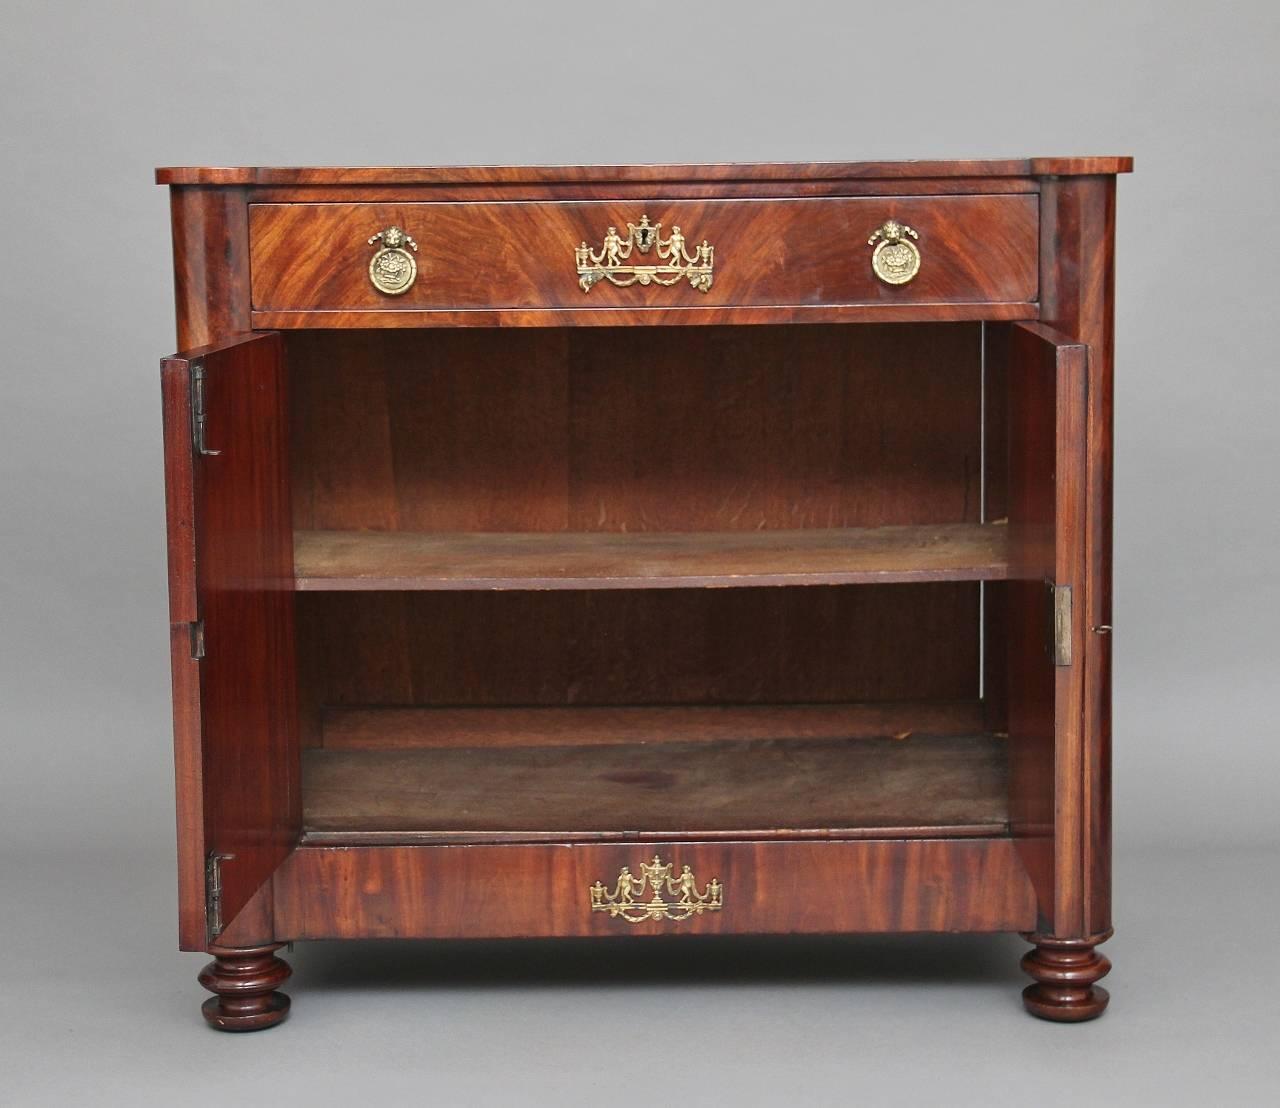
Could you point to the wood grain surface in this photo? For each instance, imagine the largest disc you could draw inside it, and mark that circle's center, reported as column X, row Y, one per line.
column 526, row 891
column 718, row 173
column 495, row 453
column 231, row 568
column 835, row 644
column 559, row 431
column 474, row 256
column 210, row 228
column 415, row 728
column 711, row 429
column 687, row 316
column 821, row 787
column 399, row 560
column 1078, row 276
column 1047, row 382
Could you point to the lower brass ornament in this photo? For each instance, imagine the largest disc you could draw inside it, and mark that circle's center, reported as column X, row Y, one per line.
column 896, row 260
column 610, row 262
column 393, row 269
column 624, row 901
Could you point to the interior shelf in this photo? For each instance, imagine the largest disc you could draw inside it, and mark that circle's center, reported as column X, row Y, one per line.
column 398, row 560
column 791, row 784
column 384, row 728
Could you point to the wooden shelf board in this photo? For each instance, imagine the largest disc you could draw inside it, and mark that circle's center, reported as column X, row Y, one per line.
column 757, row 788
column 399, row 561
column 391, row 728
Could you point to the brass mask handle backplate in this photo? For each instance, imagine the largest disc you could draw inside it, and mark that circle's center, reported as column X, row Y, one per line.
column 393, row 269
column 616, row 262
column 896, row 260
column 675, row 897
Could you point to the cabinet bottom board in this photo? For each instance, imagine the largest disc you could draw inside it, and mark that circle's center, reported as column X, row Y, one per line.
column 917, row 785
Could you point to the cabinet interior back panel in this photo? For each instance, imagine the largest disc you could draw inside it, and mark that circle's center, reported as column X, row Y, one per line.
column 662, row 429
column 709, row 646
column 636, row 429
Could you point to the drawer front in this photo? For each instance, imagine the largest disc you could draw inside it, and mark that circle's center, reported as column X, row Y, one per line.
column 521, row 891
column 763, row 253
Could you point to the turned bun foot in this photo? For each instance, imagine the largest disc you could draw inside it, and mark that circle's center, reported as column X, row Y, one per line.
column 243, row 983
column 1065, row 974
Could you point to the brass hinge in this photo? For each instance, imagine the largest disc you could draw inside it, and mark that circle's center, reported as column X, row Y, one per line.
column 213, row 893
column 197, row 639
column 198, row 416
column 1060, row 622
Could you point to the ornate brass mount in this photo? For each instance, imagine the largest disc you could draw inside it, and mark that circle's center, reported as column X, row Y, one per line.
column 609, row 262
column 896, row 260
column 393, row 269
column 656, row 876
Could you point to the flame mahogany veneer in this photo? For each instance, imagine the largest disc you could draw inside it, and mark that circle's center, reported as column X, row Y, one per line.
column 494, row 598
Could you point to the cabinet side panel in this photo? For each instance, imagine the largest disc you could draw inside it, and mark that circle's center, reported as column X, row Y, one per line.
column 210, row 230
column 1077, row 236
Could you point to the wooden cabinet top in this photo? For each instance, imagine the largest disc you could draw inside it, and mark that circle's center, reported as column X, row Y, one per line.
column 603, row 174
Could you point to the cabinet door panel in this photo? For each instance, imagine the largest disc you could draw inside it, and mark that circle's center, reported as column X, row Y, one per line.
column 232, row 628
column 1047, row 380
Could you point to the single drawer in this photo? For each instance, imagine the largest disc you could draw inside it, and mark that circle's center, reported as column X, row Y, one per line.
column 661, row 254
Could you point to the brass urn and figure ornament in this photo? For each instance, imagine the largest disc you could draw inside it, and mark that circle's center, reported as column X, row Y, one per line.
column 673, row 897
column 613, row 261
column 393, row 269
column 896, row 259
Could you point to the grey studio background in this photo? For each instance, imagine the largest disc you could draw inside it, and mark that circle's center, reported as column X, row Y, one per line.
column 101, row 1008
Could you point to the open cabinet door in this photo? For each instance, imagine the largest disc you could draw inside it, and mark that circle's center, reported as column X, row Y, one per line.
column 232, row 625
column 1047, row 417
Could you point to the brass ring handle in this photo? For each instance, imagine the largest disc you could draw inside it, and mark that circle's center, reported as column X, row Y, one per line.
column 896, row 260
column 676, row 263
column 673, row 896
column 393, row 269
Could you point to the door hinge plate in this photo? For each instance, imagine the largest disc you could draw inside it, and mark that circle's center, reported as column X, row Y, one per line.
column 1060, row 597
column 213, row 893
column 198, row 414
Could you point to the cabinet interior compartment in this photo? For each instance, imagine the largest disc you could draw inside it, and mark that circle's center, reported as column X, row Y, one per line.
column 616, row 583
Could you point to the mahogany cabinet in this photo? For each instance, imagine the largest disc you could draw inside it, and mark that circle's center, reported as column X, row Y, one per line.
column 642, row 550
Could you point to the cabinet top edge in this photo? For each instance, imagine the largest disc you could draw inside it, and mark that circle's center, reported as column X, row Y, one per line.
column 603, row 174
